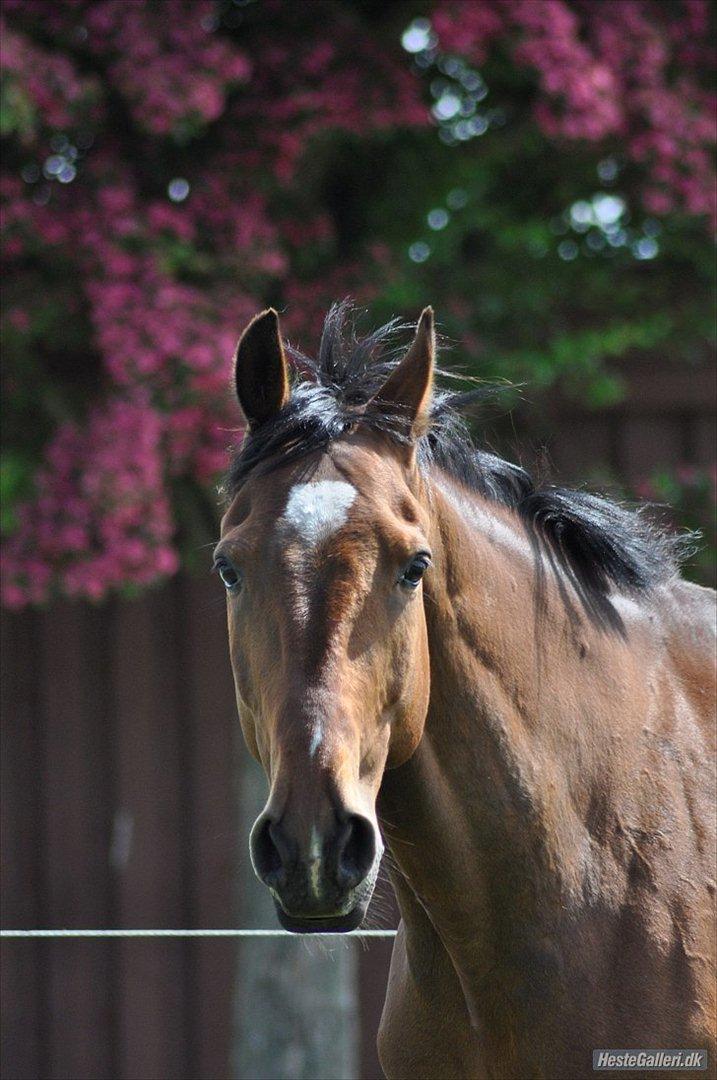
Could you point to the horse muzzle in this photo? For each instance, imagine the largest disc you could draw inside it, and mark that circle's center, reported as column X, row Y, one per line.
column 321, row 881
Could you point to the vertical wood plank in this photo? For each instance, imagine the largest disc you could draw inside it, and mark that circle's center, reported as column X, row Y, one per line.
column 76, row 847
column 147, row 844
column 100, row 699
column 22, row 1002
column 211, row 712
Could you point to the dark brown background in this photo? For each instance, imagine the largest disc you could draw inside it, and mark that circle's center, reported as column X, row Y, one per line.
column 126, row 711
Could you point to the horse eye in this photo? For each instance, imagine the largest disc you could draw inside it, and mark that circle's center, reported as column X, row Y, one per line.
column 415, row 570
column 231, row 578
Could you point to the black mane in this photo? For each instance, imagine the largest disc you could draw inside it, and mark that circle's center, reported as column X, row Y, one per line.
column 596, row 543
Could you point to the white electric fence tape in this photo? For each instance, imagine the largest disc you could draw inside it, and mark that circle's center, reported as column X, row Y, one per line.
column 187, row 934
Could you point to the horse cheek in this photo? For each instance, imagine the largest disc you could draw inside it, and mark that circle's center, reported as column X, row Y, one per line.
column 245, row 700
column 248, row 726
column 410, row 713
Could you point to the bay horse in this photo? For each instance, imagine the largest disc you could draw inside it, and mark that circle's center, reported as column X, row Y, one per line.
column 509, row 687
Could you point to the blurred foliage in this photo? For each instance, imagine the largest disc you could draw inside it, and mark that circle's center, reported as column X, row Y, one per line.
column 171, row 167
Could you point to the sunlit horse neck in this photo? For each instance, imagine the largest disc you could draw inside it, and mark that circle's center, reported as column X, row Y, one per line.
column 514, row 683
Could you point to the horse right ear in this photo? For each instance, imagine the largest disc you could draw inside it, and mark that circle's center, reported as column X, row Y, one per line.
column 407, row 391
column 260, row 371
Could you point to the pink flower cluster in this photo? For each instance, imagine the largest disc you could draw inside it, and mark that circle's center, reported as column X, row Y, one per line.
column 165, row 347
column 166, row 286
column 607, row 70
column 165, row 60
column 306, row 87
column 53, row 92
column 101, row 518
column 582, row 99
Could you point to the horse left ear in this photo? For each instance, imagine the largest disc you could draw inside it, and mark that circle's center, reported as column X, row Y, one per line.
column 260, row 370
column 407, row 391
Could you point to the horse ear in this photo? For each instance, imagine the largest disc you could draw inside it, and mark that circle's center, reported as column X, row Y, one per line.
column 407, row 391
column 260, row 372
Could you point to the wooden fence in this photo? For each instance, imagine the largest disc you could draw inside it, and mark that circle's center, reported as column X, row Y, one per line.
column 119, row 745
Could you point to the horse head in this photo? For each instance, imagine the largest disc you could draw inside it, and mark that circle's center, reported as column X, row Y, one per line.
column 323, row 548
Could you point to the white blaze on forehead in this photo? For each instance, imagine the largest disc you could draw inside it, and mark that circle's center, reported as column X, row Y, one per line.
column 315, row 511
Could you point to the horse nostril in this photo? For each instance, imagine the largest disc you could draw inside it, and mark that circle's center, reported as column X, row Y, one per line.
column 357, row 851
column 266, row 853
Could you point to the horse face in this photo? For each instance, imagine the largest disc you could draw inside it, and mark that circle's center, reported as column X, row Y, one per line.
column 323, row 567
column 323, row 563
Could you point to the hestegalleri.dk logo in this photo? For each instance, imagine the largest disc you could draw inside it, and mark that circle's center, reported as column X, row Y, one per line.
column 692, row 1060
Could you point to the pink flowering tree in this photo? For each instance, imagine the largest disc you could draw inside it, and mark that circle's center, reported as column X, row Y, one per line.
column 170, row 167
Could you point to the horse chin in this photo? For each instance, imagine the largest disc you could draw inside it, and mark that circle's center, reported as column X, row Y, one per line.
column 331, row 924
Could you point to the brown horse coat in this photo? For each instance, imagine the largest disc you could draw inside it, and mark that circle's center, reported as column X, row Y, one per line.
column 572, row 907
column 529, row 723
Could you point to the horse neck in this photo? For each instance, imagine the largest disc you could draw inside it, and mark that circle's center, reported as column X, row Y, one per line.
column 486, row 820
